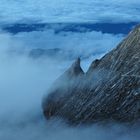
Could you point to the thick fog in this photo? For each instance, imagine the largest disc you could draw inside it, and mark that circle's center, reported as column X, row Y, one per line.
column 25, row 80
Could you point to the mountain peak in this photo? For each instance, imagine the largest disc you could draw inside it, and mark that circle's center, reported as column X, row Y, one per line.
column 109, row 91
column 75, row 69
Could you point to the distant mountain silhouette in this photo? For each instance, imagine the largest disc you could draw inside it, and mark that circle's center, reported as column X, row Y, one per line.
column 112, row 28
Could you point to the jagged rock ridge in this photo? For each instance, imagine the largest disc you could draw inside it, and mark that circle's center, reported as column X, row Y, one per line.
column 109, row 90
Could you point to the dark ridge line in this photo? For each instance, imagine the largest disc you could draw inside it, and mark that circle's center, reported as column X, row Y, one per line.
column 112, row 28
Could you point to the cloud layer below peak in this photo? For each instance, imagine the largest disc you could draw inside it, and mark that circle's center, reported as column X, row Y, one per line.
column 69, row 11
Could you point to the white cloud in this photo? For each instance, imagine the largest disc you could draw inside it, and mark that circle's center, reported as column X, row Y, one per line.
column 70, row 10
column 73, row 44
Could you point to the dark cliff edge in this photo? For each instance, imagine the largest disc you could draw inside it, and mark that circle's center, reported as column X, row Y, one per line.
column 109, row 90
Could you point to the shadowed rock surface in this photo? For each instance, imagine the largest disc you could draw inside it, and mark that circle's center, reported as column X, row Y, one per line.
column 109, row 90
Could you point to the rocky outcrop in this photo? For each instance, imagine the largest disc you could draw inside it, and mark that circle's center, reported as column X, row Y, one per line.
column 109, row 90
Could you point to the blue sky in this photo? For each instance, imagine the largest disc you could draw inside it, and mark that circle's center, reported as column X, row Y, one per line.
column 69, row 11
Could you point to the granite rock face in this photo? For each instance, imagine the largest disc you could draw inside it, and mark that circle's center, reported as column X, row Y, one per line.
column 109, row 90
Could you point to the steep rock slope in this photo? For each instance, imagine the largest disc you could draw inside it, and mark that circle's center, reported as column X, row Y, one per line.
column 109, row 90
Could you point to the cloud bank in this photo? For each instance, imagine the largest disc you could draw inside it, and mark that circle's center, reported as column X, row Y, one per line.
column 69, row 11
column 88, row 46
